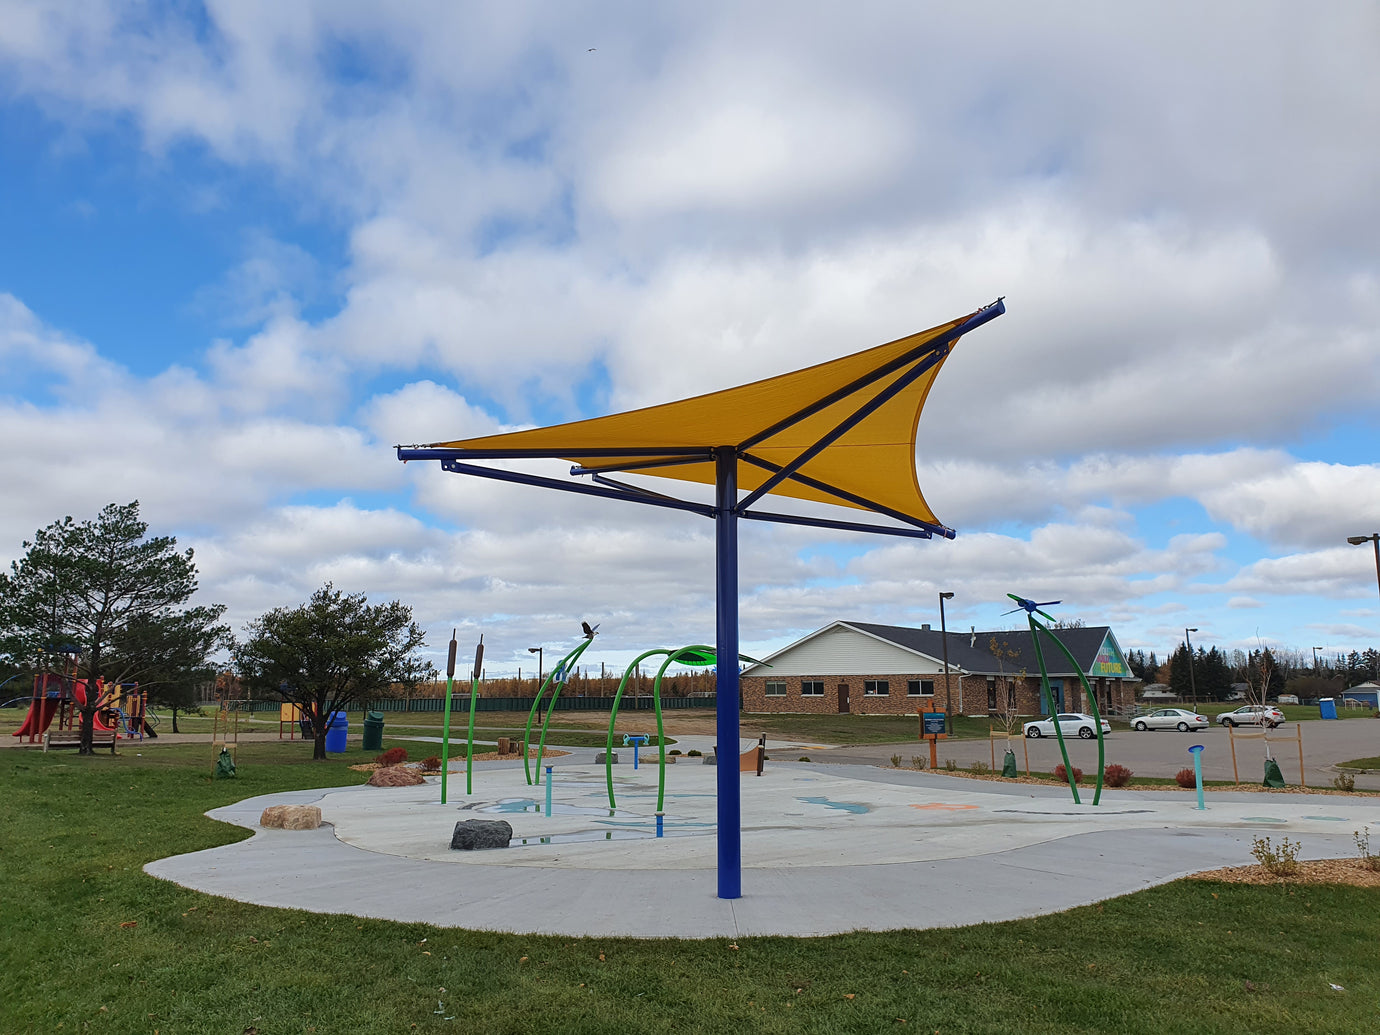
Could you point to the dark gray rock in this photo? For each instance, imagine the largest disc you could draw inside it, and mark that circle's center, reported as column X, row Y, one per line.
column 711, row 759
column 599, row 758
column 474, row 834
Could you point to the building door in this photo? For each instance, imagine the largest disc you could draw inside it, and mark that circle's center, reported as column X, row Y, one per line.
column 843, row 698
column 1056, row 687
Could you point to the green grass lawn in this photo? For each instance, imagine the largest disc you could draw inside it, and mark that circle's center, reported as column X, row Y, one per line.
column 91, row 943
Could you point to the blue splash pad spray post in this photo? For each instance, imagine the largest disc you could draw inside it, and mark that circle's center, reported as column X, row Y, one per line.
column 548, row 790
column 636, row 740
column 1197, row 752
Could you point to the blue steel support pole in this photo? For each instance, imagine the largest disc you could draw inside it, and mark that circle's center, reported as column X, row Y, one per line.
column 726, row 675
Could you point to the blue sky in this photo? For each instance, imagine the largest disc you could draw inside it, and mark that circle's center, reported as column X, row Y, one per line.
column 249, row 247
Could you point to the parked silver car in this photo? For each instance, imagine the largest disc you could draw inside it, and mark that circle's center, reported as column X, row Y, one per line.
column 1170, row 719
column 1253, row 715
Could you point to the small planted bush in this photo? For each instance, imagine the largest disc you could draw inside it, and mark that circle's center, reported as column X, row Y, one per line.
column 1116, row 775
column 1344, row 782
column 896, row 761
column 951, row 765
column 1060, row 773
column 980, row 768
column 1186, row 778
column 1282, row 861
column 431, row 764
column 803, row 758
column 918, row 761
column 694, row 753
column 674, row 751
column 1369, row 859
column 393, row 756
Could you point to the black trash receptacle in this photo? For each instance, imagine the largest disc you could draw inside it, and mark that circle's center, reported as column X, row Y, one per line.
column 373, row 731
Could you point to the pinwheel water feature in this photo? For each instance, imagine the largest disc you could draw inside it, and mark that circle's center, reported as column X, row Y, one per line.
column 1031, row 609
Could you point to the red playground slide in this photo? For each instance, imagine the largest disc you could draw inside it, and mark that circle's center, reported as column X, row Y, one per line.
column 40, row 716
column 79, row 692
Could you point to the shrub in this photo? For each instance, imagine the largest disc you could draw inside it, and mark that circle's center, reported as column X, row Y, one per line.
column 803, row 758
column 1062, row 774
column 896, row 761
column 1283, row 862
column 980, row 768
column 1116, row 775
column 392, row 757
column 432, row 763
column 1368, row 860
column 674, row 751
column 694, row 753
column 951, row 765
column 1186, row 778
column 1344, row 782
column 918, row 761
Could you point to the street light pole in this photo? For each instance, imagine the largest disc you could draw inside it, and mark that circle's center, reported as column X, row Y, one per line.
column 537, row 652
column 1192, row 683
column 1315, row 660
column 944, row 640
column 1357, row 540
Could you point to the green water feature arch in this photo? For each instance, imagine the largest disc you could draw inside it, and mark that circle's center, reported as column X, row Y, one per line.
column 556, row 680
column 1031, row 610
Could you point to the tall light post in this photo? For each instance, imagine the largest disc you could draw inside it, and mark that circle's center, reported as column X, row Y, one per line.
column 944, row 640
column 1192, row 683
column 1315, row 660
column 1374, row 537
column 537, row 652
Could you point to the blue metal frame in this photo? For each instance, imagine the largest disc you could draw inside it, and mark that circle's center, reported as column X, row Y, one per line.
column 726, row 672
column 726, row 511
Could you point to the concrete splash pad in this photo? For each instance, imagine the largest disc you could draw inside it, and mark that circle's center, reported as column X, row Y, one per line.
column 825, row 850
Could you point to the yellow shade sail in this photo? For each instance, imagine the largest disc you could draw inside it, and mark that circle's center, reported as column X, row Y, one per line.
column 858, row 415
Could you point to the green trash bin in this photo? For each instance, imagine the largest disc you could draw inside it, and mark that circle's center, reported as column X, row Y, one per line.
column 373, row 731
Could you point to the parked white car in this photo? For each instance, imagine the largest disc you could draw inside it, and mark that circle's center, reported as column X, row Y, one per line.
column 1070, row 724
column 1170, row 719
column 1252, row 715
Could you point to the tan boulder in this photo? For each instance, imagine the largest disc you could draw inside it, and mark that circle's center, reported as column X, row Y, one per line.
column 291, row 817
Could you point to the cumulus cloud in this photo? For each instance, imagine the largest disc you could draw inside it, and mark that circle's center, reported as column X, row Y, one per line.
column 1185, row 237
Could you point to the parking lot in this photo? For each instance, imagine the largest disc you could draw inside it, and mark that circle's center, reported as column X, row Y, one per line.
column 1164, row 753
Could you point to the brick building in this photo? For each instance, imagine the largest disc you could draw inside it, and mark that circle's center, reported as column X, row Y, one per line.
column 868, row 669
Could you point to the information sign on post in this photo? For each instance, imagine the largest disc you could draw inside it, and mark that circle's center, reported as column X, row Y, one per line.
column 933, row 723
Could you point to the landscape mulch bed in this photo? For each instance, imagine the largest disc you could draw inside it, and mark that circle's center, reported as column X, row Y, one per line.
column 1311, row 871
column 480, row 756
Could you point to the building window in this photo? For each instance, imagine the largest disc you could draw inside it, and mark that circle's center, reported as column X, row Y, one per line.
column 776, row 688
column 991, row 697
column 812, row 688
column 876, row 687
column 919, row 687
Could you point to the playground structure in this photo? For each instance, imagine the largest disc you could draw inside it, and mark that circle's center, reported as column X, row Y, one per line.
column 59, row 697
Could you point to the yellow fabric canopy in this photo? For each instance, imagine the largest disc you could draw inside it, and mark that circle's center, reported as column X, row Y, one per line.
column 874, row 460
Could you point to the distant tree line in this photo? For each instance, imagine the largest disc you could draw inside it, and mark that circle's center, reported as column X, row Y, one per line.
column 1217, row 672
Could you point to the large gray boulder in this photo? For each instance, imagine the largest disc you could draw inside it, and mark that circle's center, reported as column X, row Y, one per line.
column 475, row 834
column 602, row 758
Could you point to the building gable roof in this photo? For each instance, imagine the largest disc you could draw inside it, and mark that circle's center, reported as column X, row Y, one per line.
column 973, row 651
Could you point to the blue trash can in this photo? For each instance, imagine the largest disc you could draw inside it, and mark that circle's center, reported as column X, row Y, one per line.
column 336, row 731
column 1328, row 708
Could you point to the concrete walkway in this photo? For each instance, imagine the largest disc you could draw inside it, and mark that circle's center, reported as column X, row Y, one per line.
column 825, row 850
